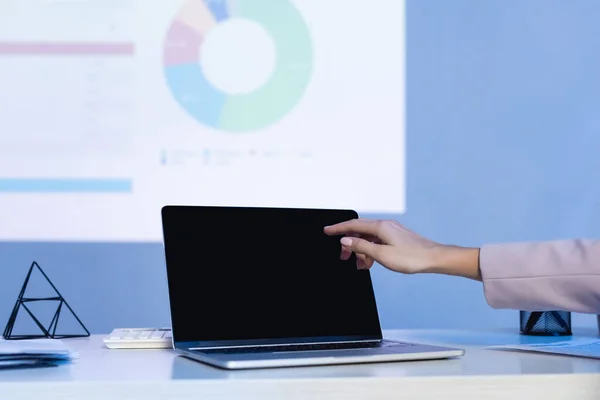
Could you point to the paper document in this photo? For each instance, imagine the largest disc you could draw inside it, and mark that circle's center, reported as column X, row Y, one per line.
column 34, row 353
column 33, row 346
column 589, row 348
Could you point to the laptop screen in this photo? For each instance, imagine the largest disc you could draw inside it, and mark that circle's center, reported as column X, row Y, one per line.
column 251, row 275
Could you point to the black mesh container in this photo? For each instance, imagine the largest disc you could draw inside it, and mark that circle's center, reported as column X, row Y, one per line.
column 546, row 323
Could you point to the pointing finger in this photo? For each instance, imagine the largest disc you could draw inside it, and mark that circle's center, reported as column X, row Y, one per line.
column 358, row 226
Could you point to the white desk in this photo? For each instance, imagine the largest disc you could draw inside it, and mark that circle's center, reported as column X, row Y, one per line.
column 100, row 373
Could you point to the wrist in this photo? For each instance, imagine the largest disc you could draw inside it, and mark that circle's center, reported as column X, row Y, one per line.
column 456, row 261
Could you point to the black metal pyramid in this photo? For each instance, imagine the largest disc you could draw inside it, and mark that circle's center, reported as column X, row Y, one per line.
column 46, row 332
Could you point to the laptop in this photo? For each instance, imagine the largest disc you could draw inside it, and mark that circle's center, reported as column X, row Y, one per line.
column 253, row 287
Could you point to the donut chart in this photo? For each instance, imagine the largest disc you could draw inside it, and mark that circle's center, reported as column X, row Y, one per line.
column 243, row 112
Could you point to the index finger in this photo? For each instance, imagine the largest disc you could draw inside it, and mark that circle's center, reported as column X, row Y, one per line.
column 360, row 225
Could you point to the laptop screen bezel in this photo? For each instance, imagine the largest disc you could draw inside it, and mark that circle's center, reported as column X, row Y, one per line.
column 272, row 341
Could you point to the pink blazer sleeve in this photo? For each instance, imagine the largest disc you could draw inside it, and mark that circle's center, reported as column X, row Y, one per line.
column 540, row 276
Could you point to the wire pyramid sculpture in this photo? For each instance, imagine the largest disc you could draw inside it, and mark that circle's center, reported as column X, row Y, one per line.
column 46, row 332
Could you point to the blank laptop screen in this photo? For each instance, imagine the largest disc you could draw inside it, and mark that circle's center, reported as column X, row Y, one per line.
column 241, row 273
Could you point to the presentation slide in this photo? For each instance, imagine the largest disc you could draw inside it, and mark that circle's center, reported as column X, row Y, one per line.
column 111, row 109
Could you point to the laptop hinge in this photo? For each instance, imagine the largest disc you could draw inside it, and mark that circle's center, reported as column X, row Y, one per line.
column 283, row 344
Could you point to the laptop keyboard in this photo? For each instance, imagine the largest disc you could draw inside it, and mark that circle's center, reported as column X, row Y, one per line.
column 308, row 347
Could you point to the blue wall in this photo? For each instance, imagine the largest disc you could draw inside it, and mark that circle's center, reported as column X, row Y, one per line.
column 503, row 139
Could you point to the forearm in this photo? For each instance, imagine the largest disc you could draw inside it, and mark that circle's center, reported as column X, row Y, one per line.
column 456, row 261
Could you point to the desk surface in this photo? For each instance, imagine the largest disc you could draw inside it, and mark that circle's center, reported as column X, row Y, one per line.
column 154, row 374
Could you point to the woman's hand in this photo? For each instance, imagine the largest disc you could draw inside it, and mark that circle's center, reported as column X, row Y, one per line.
column 399, row 249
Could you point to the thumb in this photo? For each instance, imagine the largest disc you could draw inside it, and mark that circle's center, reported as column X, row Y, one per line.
column 362, row 246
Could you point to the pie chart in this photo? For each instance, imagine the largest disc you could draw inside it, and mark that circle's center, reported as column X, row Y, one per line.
column 238, row 65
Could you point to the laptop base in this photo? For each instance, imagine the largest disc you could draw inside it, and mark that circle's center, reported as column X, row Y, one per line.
column 277, row 359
